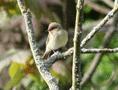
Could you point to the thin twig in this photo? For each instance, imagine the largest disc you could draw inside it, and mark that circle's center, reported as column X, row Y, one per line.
column 88, row 26
column 87, row 76
column 103, row 50
column 51, row 81
column 53, row 58
column 58, row 55
column 100, row 25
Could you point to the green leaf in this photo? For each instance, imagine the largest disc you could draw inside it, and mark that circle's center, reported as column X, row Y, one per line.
column 14, row 68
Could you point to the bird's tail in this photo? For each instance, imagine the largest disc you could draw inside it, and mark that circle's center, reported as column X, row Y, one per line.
column 45, row 55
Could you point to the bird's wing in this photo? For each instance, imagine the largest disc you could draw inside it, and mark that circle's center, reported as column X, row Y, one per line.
column 45, row 55
column 47, row 40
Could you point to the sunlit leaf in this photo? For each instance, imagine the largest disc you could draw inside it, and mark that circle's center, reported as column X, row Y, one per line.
column 14, row 68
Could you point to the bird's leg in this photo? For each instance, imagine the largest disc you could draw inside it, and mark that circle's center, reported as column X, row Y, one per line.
column 53, row 51
column 59, row 49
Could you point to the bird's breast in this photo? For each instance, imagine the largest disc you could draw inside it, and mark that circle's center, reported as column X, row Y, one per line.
column 58, row 39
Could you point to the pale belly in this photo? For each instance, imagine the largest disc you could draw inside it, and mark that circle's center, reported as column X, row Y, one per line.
column 59, row 41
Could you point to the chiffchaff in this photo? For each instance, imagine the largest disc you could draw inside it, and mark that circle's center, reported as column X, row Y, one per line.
column 57, row 38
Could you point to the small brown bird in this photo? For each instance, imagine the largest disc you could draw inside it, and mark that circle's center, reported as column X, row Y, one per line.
column 57, row 38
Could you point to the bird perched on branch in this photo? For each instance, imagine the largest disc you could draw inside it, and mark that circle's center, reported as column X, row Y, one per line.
column 57, row 38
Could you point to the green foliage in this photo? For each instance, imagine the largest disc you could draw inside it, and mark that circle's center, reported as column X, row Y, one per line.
column 14, row 68
column 36, row 86
column 10, row 7
column 98, row 39
column 87, row 9
column 103, row 71
column 14, row 80
column 114, row 41
column 37, row 83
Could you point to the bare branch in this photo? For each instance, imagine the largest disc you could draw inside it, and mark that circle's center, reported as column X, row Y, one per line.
column 53, row 58
column 87, row 76
column 88, row 26
column 58, row 55
column 104, row 50
column 76, row 68
column 100, row 25
column 51, row 81
column 116, row 4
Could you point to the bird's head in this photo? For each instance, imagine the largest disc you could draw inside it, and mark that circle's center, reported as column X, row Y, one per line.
column 53, row 26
